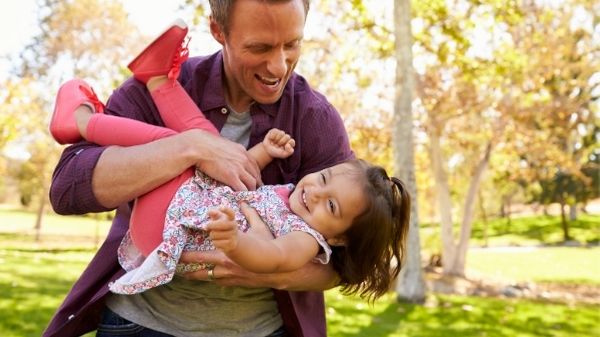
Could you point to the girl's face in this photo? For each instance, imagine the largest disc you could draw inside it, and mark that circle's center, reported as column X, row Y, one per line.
column 329, row 200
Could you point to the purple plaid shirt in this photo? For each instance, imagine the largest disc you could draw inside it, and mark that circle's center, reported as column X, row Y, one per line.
column 321, row 141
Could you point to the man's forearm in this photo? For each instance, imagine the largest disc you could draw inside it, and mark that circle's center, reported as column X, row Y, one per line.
column 124, row 173
column 311, row 277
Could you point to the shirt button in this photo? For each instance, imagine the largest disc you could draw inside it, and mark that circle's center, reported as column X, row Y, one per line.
column 71, row 317
column 223, row 110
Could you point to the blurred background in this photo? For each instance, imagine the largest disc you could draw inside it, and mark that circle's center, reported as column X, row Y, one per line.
column 496, row 128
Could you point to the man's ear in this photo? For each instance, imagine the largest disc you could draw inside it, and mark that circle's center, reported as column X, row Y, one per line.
column 337, row 241
column 216, row 31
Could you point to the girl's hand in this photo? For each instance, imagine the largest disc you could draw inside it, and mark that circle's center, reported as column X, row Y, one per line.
column 223, row 229
column 258, row 227
column 279, row 144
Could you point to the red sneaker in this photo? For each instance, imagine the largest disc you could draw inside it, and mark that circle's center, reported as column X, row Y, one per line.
column 163, row 56
column 70, row 96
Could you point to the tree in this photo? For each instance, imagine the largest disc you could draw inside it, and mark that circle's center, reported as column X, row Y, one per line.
column 411, row 285
column 561, row 95
column 71, row 43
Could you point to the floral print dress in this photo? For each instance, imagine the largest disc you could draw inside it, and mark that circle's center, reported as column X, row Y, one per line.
column 184, row 229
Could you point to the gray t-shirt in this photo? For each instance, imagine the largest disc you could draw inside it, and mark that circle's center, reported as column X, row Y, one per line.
column 194, row 308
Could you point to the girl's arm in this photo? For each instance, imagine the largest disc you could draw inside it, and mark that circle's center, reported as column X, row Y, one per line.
column 285, row 253
column 277, row 144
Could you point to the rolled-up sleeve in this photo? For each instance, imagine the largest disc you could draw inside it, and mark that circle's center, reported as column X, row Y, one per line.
column 71, row 189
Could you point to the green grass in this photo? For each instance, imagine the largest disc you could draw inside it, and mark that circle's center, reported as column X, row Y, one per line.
column 459, row 316
column 524, row 231
column 537, row 230
column 33, row 284
column 35, row 277
column 550, row 264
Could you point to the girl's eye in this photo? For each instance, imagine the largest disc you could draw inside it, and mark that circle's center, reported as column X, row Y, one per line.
column 323, row 178
column 331, row 206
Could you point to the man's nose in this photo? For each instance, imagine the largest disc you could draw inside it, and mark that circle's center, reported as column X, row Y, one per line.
column 276, row 64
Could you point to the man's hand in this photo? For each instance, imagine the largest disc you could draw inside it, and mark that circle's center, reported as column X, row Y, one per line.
column 225, row 161
column 311, row 277
column 278, row 144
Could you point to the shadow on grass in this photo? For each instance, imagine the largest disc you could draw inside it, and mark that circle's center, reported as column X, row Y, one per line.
column 545, row 229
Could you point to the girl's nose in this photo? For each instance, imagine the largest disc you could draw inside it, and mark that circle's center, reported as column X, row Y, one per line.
column 316, row 193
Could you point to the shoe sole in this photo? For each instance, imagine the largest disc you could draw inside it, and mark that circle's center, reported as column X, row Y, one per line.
column 177, row 22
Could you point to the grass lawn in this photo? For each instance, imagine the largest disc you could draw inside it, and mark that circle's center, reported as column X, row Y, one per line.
column 35, row 277
column 458, row 316
column 524, row 231
column 34, row 281
column 537, row 230
column 550, row 264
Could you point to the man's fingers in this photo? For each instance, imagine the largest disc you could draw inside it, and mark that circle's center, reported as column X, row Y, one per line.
column 211, row 256
column 253, row 169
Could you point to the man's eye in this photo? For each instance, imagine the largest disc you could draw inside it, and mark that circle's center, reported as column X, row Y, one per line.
column 293, row 44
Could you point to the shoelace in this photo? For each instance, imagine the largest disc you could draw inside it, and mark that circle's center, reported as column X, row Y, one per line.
column 92, row 97
column 181, row 55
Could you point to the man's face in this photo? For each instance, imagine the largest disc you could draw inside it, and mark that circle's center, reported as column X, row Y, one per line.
column 261, row 49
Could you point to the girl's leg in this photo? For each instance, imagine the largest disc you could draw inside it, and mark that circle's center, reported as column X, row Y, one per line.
column 148, row 214
column 72, row 119
column 176, row 107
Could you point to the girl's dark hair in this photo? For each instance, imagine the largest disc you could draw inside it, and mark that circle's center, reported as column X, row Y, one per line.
column 376, row 236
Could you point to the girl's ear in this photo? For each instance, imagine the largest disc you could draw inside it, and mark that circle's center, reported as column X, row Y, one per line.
column 337, row 241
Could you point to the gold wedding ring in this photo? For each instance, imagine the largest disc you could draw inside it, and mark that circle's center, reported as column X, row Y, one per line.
column 211, row 273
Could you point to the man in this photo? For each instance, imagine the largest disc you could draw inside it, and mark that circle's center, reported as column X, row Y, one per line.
column 245, row 89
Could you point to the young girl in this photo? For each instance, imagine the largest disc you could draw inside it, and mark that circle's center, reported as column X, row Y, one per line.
column 353, row 206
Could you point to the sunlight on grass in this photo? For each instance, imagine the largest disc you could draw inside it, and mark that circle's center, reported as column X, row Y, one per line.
column 35, row 277
column 33, row 284
column 14, row 221
column 458, row 316
column 550, row 264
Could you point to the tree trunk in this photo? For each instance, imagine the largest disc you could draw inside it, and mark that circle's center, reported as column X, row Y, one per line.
column 564, row 222
column 410, row 285
column 458, row 267
column 484, row 219
column 444, row 203
column 573, row 212
column 40, row 214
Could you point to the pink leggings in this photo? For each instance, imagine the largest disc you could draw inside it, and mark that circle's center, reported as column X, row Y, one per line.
column 179, row 113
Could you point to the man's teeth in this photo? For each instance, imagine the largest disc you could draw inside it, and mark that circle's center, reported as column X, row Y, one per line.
column 269, row 81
